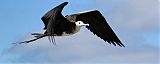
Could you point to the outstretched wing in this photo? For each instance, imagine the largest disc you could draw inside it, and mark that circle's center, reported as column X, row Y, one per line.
column 51, row 19
column 99, row 26
column 54, row 14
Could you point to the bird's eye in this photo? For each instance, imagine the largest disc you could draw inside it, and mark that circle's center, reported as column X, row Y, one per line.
column 79, row 23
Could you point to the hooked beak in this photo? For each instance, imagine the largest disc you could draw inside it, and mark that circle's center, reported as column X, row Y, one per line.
column 85, row 24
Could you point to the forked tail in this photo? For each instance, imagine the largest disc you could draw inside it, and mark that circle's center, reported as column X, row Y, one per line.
column 38, row 36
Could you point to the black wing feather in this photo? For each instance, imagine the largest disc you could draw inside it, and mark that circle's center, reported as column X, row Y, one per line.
column 51, row 19
column 53, row 14
column 99, row 26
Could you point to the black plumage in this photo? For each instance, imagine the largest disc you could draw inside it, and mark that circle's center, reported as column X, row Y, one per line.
column 99, row 26
column 57, row 25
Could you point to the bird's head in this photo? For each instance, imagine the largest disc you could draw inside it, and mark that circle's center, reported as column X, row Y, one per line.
column 80, row 23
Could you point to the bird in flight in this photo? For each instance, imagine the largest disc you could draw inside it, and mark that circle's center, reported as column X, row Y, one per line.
column 58, row 25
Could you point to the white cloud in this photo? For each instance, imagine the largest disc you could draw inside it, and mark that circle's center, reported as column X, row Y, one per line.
column 133, row 18
column 136, row 15
column 86, row 48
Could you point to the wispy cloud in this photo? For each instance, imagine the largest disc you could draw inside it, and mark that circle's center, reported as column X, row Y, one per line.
column 134, row 21
column 78, row 49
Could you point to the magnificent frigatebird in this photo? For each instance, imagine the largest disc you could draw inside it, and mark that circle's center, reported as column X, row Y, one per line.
column 58, row 25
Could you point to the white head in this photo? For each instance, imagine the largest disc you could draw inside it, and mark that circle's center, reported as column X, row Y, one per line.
column 80, row 23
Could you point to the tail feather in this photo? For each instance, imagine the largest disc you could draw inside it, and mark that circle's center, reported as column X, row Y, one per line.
column 38, row 36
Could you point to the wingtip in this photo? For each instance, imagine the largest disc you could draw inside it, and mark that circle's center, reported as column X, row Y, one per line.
column 62, row 4
column 65, row 3
column 120, row 44
column 116, row 43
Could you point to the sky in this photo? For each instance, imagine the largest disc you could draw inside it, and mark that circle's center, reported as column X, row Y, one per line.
column 136, row 23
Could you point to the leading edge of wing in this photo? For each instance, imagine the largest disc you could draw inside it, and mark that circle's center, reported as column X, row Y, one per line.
column 53, row 12
column 99, row 26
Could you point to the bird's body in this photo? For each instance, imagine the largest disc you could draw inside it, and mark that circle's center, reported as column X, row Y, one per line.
column 70, row 29
column 58, row 25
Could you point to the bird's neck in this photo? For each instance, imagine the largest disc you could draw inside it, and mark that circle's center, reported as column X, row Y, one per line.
column 77, row 29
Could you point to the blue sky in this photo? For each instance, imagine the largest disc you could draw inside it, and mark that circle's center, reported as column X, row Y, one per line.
column 21, row 17
column 135, row 22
